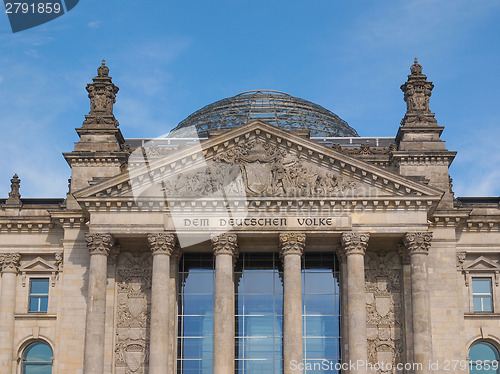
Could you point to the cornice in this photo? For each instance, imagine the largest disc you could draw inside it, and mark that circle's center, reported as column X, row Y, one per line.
column 271, row 204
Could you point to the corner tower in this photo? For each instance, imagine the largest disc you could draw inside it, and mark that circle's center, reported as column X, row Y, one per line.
column 100, row 151
column 420, row 151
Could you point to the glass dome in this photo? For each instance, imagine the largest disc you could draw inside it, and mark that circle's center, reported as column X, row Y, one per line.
column 274, row 107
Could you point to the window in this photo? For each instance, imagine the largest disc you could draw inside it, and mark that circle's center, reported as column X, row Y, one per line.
column 321, row 310
column 196, row 311
column 37, row 359
column 259, row 314
column 39, row 295
column 482, row 295
column 483, row 359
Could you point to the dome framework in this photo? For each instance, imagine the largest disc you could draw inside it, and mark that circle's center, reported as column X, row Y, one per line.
column 274, row 107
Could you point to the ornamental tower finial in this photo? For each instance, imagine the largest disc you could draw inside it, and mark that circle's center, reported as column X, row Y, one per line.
column 417, row 92
column 14, row 194
column 103, row 70
column 416, row 68
column 102, row 94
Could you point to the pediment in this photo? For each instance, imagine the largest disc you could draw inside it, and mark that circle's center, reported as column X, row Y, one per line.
column 38, row 265
column 482, row 264
column 258, row 161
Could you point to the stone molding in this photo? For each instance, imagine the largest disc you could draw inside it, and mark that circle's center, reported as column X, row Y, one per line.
column 9, row 262
column 176, row 254
column 292, row 243
column 100, row 244
column 354, row 243
column 417, row 242
column 161, row 243
column 225, row 244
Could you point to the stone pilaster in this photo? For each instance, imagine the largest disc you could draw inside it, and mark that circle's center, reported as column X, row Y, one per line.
column 173, row 303
column 162, row 246
column 343, row 302
column 354, row 247
column 290, row 250
column 225, row 248
column 417, row 245
column 99, row 246
column 9, row 265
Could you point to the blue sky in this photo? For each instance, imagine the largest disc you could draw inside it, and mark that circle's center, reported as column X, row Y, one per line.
column 170, row 58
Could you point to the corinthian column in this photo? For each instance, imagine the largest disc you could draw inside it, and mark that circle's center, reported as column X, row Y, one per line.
column 162, row 245
column 417, row 245
column 291, row 248
column 9, row 265
column 354, row 247
column 225, row 247
column 99, row 246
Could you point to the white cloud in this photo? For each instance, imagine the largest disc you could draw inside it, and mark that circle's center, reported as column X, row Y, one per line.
column 94, row 24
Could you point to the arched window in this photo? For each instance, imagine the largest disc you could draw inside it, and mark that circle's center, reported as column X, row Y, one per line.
column 483, row 359
column 37, row 359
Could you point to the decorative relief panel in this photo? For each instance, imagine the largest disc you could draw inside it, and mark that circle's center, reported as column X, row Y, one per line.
column 259, row 168
column 384, row 310
column 133, row 289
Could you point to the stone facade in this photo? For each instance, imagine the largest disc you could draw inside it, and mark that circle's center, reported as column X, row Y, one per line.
column 409, row 251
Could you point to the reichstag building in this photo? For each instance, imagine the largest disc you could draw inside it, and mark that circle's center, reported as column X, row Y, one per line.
column 263, row 235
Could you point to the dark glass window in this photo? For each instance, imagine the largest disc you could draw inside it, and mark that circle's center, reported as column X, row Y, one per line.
column 37, row 359
column 259, row 314
column 196, row 309
column 483, row 359
column 321, row 310
column 482, row 296
column 39, row 295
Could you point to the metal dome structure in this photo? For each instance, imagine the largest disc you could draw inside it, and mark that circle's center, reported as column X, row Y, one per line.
column 274, row 107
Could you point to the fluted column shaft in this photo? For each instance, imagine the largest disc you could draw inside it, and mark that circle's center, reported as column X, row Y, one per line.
column 162, row 245
column 354, row 247
column 417, row 244
column 99, row 246
column 9, row 264
column 291, row 249
column 225, row 249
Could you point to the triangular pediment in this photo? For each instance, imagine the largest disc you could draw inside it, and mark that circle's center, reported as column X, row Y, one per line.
column 38, row 265
column 482, row 264
column 261, row 161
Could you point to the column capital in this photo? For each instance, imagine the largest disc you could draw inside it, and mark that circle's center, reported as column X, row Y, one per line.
column 354, row 242
column 417, row 242
column 226, row 243
column 9, row 262
column 99, row 244
column 292, row 243
column 161, row 243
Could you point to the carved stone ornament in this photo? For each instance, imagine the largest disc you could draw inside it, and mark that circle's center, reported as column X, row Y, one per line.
column 99, row 243
column 354, row 242
column 102, row 92
column 417, row 242
column 292, row 243
column 257, row 168
column 226, row 243
column 384, row 307
column 417, row 92
column 59, row 257
column 14, row 194
column 133, row 298
column 161, row 243
column 461, row 259
column 9, row 262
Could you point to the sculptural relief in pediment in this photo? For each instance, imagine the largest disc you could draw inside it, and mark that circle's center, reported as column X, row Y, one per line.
column 257, row 168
